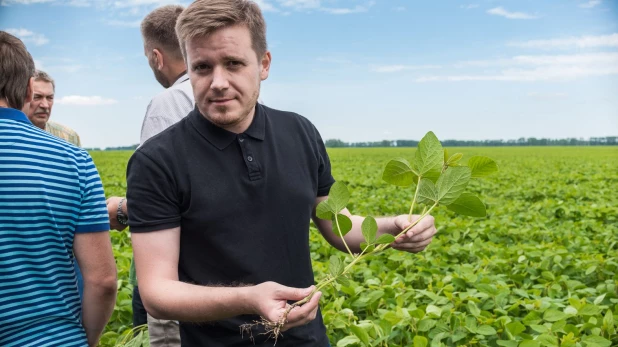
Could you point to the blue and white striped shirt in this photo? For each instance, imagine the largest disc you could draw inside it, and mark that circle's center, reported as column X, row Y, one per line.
column 49, row 191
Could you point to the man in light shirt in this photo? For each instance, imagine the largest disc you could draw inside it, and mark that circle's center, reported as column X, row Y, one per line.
column 167, row 108
column 41, row 107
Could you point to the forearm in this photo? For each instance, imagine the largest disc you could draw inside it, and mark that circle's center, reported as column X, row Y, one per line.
column 175, row 300
column 97, row 307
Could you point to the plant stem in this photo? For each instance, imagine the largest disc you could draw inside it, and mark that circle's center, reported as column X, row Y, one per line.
column 342, row 239
column 418, row 184
column 355, row 260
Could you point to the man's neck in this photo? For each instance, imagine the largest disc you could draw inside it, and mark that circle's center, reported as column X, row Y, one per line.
column 4, row 104
column 176, row 72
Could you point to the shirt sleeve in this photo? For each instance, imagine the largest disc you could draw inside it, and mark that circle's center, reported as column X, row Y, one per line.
column 325, row 178
column 151, row 195
column 93, row 215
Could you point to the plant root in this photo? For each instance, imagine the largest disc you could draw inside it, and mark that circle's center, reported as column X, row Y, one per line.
column 272, row 330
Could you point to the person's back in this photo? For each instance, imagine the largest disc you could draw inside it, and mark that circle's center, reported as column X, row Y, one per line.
column 44, row 184
column 51, row 207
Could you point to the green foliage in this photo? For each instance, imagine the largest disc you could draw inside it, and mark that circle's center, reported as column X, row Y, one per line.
column 552, row 215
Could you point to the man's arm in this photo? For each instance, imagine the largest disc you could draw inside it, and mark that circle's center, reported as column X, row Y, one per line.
column 414, row 240
column 93, row 252
column 165, row 297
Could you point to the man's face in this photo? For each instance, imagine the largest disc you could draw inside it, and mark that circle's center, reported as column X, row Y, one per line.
column 42, row 102
column 225, row 73
column 152, row 62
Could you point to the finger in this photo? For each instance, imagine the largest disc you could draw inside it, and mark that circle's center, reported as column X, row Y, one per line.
column 412, row 246
column 305, row 313
column 422, row 235
column 293, row 294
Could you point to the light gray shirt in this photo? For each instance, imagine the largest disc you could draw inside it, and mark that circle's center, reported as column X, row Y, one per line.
column 167, row 108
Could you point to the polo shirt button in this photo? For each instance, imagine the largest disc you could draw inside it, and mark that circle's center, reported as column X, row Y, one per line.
column 250, row 158
column 241, row 139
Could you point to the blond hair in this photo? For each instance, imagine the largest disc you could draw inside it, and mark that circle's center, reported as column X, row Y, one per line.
column 40, row 75
column 16, row 69
column 158, row 29
column 203, row 17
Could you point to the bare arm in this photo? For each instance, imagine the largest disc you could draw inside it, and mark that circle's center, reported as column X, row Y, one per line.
column 414, row 240
column 165, row 297
column 95, row 258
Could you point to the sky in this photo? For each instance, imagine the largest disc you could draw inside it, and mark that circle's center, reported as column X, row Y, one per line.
column 360, row 70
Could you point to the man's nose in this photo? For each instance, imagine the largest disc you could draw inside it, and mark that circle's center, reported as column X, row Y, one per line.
column 219, row 79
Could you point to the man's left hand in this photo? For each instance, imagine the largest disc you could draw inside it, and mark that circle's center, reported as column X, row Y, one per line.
column 418, row 237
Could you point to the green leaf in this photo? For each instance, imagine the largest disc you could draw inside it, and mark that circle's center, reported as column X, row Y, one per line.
column 554, row 315
column 452, row 183
column 420, row 341
column 608, row 322
column 385, row 239
column 547, row 340
column 454, row 158
column 360, row 333
column 539, row 328
column 591, row 269
column 482, row 166
column 324, row 211
column 529, row 343
column 399, row 172
column 473, row 309
column 589, row 310
column 369, row 229
column 445, row 155
column 338, row 197
column 433, row 311
column 366, row 247
column 344, row 223
column 427, row 192
column 343, row 281
column 426, row 324
column 596, row 341
column 468, row 204
column 348, row 341
column 507, row 343
column 429, row 156
column 486, row 330
column 335, row 266
column 515, row 328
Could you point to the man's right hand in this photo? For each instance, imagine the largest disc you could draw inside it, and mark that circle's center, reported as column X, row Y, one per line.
column 112, row 211
column 270, row 300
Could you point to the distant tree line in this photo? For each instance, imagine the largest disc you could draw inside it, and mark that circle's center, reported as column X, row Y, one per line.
column 531, row 141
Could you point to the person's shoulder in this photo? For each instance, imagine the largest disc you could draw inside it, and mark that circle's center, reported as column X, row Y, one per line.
column 180, row 90
column 161, row 143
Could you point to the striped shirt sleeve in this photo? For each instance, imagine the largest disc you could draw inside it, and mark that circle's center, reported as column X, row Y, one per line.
column 93, row 215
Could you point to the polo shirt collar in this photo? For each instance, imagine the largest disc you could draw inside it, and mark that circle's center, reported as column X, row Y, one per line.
column 13, row 114
column 222, row 138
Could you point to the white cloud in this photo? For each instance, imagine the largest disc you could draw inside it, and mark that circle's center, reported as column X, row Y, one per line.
column 469, row 6
column 530, row 68
column 500, row 11
column 571, row 42
column 356, row 9
column 28, row 36
column 590, row 4
column 398, row 68
column 85, row 100
column 399, row 9
column 310, row 5
column 23, row 2
column 266, row 6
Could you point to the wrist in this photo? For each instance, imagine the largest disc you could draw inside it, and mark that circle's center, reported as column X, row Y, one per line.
column 246, row 296
column 121, row 212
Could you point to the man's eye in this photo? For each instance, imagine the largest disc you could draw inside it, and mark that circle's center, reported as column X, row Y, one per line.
column 200, row 67
column 234, row 63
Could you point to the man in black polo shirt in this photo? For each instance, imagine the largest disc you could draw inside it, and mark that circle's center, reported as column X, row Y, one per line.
column 221, row 201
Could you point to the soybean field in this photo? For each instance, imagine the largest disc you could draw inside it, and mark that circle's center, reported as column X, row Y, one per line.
column 541, row 269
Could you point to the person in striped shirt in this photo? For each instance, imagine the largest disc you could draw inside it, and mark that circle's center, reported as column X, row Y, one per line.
column 52, row 213
column 41, row 107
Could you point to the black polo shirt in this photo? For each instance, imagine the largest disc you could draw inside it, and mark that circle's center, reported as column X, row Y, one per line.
column 243, row 203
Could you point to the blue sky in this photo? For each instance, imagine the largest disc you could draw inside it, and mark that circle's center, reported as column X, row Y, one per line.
column 359, row 70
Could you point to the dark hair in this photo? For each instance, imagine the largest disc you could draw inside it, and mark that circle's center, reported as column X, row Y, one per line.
column 159, row 29
column 16, row 69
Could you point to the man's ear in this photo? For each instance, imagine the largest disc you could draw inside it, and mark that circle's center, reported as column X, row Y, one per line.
column 265, row 65
column 158, row 56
